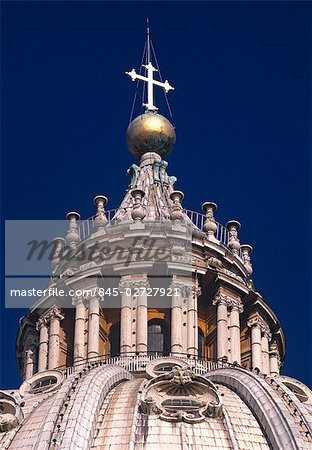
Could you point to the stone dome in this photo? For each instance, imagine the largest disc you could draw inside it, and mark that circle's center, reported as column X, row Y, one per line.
column 150, row 132
column 168, row 406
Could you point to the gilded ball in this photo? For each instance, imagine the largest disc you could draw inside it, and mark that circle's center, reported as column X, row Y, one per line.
column 150, row 132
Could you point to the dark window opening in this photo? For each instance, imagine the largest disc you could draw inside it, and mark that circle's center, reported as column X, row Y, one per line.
column 114, row 339
column 158, row 338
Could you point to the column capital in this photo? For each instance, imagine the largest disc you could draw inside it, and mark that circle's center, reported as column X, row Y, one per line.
column 237, row 305
column 274, row 348
column 41, row 322
column 133, row 284
column 54, row 313
column 193, row 291
column 266, row 333
column 78, row 300
column 257, row 321
column 222, row 299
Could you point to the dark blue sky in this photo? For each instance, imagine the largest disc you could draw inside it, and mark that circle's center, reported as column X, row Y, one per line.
column 242, row 73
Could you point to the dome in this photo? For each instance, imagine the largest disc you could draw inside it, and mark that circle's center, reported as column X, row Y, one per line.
column 150, row 132
column 165, row 405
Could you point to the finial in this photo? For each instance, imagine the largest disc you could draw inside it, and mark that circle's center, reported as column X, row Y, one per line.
column 58, row 248
column 210, row 225
column 233, row 226
column 72, row 236
column 138, row 212
column 176, row 212
column 246, row 251
column 100, row 219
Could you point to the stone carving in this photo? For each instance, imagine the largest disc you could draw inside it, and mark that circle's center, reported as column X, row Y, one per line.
column 233, row 227
column 181, row 395
column 70, row 272
column 133, row 172
column 231, row 274
column 156, row 168
column 86, row 266
column 257, row 321
column 210, row 225
column 130, row 285
column 58, row 250
column 214, row 262
column 72, row 236
column 160, row 175
column 138, row 212
column 176, row 211
column 246, row 251
column 100, row 218
column 9, row 412
column 162, row 171
column 228, row 301
column 172, row 180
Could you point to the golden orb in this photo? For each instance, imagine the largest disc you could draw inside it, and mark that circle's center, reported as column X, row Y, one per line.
column 150, row 132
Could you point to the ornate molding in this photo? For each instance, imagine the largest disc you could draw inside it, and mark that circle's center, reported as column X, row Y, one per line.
column 181, row 395
column 53, row 313
column 78, row 300
column 228, row 301
column 132, row 284
column 257, row 321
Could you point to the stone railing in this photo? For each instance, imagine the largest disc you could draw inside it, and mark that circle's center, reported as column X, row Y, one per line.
column 138, row 363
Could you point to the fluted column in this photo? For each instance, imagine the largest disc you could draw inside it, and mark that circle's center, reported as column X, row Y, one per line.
column 94, row 327
column 55, row 317
column 125, row 316
column 192, row 320
column 178, row 291
column 42, row 326
column 266, row 337
column 141, row 318
column 236, row 309
column 256, row 351
column 222, row 303
column 80, row 317
column 274, row 359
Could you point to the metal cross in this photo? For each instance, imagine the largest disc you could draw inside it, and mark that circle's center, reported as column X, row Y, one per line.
column 150, row 84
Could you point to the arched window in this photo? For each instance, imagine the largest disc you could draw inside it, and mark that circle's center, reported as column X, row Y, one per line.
column 114, row 339
column 201, row 343
column 158, row 338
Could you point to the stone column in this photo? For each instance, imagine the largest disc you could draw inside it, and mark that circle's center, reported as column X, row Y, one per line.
column 94, row 327
column 266, row 336
column 178, row 291
column 274, row 359
column 125, row 289
column 54, row 338
column 42, row 326
column 141, row 318
column 236, row 309
column 192, row 293
column 222, row 303
column 29, row 364
column 80, row 317
column 256, row 351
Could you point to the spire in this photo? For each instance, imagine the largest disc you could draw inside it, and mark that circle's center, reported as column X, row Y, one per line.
column 149, row 78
